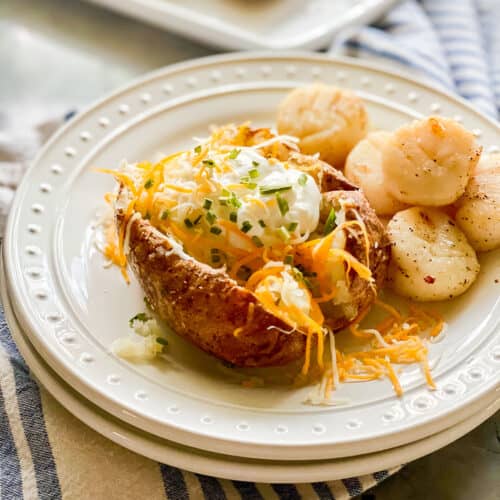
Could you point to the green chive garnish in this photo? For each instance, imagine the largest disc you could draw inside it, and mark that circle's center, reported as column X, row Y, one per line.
column 292, row 226
column 262, row 223
column 255, row 163
column 246, row 226
column 164, row 214
column 207, row 204
column 303, row 179
column 209, row 163
column 234, row 154
column 288, row 260
column 283, row 234
column 257, row 242
column 234, row 201
column 161, row 341
column 330, row 222
column 215, row 230
column 233, row 217
column 272, row 190
column 211, row 217
column 149, row 184
column 197, row 219
column 254, row 173
column 138, row 317
column 197, row 149
column 188, row 222
column 282, row 204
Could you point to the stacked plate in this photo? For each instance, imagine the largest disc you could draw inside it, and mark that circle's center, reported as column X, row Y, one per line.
column 65, row 308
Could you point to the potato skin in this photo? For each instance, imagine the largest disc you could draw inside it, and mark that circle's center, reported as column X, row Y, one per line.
column 362, row 295
column 205, row 305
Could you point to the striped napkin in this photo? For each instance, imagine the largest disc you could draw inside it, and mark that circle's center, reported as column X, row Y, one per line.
column 47, row 453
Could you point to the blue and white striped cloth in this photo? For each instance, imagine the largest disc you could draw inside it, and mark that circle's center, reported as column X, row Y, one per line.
column 453, row 43
column 47, row 453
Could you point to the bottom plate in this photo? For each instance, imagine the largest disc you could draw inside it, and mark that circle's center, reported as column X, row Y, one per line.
column 226, row 466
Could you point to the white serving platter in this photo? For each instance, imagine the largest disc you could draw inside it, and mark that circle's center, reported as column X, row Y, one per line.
column 256, row 24
column 72, row 309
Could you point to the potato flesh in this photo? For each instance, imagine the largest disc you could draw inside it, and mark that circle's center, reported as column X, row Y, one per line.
column 429, row 162
column 431, row 257
column 478, row 213
column 327, row 120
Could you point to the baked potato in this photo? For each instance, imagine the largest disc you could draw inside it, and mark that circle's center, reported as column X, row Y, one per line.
column 288, row 293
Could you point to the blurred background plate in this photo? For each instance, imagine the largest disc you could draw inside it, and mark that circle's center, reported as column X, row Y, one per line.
column 255, row 24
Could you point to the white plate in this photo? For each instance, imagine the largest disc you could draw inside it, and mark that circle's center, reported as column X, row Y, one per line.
column 221, row 465
column 265, row 24
column 72, row 309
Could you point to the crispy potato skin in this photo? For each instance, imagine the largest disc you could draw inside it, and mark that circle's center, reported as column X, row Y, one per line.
column 362, row 295
column 205, row 305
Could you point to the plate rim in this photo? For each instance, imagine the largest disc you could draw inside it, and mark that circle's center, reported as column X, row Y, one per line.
column 154, row 448
column 201, row 63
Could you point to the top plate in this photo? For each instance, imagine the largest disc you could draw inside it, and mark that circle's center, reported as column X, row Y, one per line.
column 264, row 24
column 72, row 308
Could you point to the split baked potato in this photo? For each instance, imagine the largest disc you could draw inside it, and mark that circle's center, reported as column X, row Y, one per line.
column 306, row 270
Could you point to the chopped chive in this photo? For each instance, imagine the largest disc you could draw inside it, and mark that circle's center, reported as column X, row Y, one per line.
column 282, row 204
column 161, row 341
column 233, row 217
column 283, row 233
column 303, row 179
column 207, row 204
column 234, row 154
column 187, row 222
column 244, row 272
column 138, row 317
column 226, row 193
column 262, row 223
column 257, row 242
column 330, row 222
column 288, row 260
column 149, row 184
column 292, row 226
column 197, row 219
column 209, row 163
column 211, row 217
column 255, row 163
column 197, row 149
column 223, row 202
column 234, row 201
column 254, row 173
column 272, row 190
column 215, row 230
column 246, row 226
column 249, row 185
column 164, row 214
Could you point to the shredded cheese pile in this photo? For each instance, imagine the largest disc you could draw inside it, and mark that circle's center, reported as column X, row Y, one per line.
column 396, row 340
